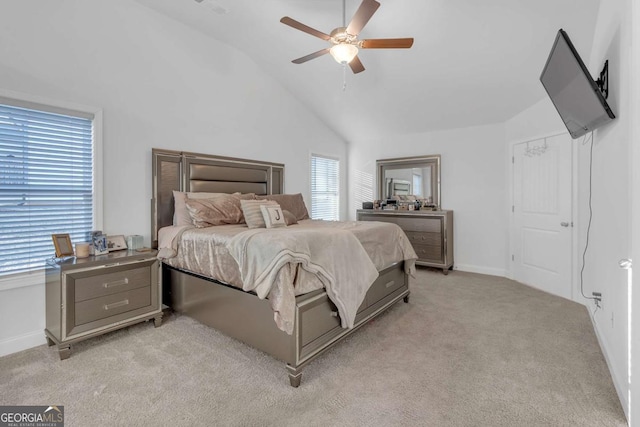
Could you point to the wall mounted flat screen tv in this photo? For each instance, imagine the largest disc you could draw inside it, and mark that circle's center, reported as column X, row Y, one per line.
column 572, row 90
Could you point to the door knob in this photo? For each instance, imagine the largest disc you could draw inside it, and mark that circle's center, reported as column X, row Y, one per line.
column 564, row 224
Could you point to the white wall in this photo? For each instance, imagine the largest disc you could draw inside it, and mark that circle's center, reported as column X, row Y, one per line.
column 609, row 237
column 473, row 185
column 160, row 84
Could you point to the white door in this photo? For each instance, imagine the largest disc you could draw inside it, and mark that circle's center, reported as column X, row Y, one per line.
column 542, row 218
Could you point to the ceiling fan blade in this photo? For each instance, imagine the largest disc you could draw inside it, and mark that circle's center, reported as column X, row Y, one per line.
column 311, row 56
column 300, row 26
column 363, row 14
column 356, row 65
column 387, row 43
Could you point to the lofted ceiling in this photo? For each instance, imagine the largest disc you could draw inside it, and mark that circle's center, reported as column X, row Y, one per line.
column 472, row 63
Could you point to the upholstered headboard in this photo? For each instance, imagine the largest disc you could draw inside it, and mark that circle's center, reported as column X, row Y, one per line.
column 182, row 171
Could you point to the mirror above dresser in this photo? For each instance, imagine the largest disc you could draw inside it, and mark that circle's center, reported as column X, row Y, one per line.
column 417, row 176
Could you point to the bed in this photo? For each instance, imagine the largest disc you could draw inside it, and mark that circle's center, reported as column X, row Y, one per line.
column 316, row 323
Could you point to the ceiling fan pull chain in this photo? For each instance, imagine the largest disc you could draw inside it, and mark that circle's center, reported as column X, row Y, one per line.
column 344, row 77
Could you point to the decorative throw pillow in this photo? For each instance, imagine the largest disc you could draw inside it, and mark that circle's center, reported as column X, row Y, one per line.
column 273, row 216
column 293, row 203
column 253, row 214
column 289, row 218
column 181, row 215
column 217, row 211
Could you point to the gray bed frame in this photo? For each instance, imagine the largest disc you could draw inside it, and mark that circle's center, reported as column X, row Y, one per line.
column 242, row 315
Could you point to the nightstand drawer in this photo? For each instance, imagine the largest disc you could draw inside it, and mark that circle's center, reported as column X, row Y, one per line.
column 109, row 282
column 111, row 305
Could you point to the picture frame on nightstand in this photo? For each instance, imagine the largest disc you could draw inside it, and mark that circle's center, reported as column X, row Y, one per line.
column 62, row 245
column 99, row 243
column 116, row 243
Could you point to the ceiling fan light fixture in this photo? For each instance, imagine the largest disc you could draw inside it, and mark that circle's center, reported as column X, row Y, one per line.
column 343, row 53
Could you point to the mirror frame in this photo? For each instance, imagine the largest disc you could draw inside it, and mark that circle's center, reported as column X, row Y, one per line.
column 383, row 165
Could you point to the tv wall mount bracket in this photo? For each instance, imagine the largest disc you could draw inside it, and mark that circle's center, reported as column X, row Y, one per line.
column 603, row 80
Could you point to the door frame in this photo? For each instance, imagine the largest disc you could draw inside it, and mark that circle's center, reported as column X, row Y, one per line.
column 633, row 395
column 575, row 253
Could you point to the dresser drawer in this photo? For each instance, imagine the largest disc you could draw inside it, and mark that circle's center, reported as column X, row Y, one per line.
column 431, row 225
column 429, row 253
column 384, row 285
column 424, row 238
column 109, row 282
column 111, row 305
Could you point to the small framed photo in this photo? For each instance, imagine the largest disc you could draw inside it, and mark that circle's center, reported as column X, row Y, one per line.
column 99, row 243
column 62, row 243
column 116, row 243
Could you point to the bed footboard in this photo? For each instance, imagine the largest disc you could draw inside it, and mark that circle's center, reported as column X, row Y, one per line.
column 247, row 318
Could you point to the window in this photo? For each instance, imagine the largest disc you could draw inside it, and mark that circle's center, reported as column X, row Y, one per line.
column 46, row 181
column 325, row 188
column 417, row 184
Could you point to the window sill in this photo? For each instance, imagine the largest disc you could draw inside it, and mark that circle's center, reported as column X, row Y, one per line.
column 22, row 280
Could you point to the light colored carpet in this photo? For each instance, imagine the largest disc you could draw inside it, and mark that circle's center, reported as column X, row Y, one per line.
column 468, row 350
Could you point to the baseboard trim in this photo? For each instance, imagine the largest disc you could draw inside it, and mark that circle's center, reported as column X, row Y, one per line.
column 622, row 391
column 22, row 342
column 480, row 270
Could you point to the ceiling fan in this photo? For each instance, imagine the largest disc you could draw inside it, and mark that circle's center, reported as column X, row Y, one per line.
column 344, row 40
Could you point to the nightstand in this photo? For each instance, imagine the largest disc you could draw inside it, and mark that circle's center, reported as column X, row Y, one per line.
column 87, row 297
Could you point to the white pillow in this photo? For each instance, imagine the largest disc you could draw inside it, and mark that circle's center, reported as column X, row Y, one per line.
column 253, row 214
column 273, row 216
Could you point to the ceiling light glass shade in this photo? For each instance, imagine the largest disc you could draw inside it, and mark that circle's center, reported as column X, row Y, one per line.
column 343, row 53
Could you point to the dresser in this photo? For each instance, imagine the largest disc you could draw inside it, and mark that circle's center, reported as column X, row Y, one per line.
column 430, row 233
column 87, row 297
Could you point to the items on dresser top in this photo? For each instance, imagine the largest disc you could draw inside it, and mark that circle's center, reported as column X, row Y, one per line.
column 98, row 294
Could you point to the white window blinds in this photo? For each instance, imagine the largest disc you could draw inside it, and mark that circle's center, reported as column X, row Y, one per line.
column 46, row 184
column 325, row 188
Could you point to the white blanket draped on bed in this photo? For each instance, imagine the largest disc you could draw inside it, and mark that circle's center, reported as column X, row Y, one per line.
column 346, row 270
column 205, row 251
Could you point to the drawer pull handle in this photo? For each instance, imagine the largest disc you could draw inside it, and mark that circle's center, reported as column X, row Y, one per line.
column 116, row 304
column 116, row 283
column 390, row 284
column 334, row 314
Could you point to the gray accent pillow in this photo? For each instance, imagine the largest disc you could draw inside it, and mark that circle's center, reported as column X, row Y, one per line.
column 220, row 210
column 289, row 218
column 181, row 215
column 293, row 203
